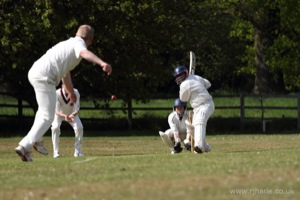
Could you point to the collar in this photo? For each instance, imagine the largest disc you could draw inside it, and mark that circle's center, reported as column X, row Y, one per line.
column 64, row 97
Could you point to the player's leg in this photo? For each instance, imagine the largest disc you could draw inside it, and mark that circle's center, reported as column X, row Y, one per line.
column 200, row 132
column 55, row 130
column 169, row 140
column 200, row 121
column 45, row 96
column 190, row 132
column 78, row 130
column 39, row 147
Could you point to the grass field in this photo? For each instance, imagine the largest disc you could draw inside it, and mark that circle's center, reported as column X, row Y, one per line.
column 136, row 167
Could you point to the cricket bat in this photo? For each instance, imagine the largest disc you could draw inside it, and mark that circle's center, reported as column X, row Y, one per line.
column 192, row 63
column 192, row 70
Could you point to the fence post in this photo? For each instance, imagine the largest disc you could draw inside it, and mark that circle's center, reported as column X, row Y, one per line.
column 242, row 111
column 298, row 111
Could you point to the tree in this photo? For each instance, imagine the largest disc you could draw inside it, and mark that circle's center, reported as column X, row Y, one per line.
column 284, row 54
column 145, row 40
column 24, row 32
column 142, row 40
column 261, row 24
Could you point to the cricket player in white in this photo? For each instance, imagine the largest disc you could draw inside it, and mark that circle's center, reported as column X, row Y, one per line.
column 67, row 111
column 178, row 130
column 193, row 89
column 46, row 73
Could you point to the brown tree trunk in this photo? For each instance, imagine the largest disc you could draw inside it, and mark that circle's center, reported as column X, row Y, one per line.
column 263, row 81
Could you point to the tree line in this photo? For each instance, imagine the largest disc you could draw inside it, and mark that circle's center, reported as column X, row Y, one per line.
column 246, row 46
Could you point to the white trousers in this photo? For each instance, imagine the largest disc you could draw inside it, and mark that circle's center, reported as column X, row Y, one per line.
column 78, row 130
column 170, row 133
column 200, row 118
column 46, row 99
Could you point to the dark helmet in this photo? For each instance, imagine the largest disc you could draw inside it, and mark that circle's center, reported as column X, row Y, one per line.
column 178, row 102
column 180, row 74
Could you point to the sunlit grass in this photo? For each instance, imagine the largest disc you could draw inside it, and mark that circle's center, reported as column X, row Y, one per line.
column 141, row 167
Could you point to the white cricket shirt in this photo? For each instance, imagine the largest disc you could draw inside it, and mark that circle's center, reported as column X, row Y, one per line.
column 194, row 90
column 61, row 58
column 177, row 125
column 64, row 104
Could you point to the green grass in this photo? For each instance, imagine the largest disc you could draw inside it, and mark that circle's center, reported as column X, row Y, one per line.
column 142, row 168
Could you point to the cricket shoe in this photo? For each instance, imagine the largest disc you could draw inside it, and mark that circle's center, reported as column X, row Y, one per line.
column 197, row 150
column 174, row 152
column 187, row 146
column 78, row 154
column 55, row 155
column 39, row 147
column 24, row 155
column 207, row 148
column 177, row 147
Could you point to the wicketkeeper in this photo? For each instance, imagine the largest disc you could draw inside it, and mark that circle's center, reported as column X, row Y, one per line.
column 193, row 88
column 67, row 111
column 178, row 131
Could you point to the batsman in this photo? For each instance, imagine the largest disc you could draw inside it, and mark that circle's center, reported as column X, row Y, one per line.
column 194, row 89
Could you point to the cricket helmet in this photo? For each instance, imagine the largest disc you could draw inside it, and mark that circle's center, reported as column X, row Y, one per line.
column 178, row 102
column 180, row 74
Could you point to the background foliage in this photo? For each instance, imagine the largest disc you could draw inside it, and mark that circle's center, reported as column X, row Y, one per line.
column 241, row 46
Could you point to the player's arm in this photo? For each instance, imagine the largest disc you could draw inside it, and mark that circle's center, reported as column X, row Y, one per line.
column 173, row 126
column 184, row 92
column 207, row 84
column 57, row 107
column 60, row 114
column 76, row 105
column 69, row 87
column 91, row 57
column 68, row 118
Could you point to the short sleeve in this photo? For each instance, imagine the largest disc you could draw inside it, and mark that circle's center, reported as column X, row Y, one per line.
column 79, row 46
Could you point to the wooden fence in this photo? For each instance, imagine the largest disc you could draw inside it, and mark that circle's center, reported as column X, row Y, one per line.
column 242, row 107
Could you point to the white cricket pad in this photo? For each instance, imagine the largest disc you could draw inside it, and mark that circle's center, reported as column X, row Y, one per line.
column 166, row 139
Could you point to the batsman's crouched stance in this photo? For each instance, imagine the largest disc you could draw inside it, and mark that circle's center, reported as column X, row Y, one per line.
column 179, row 130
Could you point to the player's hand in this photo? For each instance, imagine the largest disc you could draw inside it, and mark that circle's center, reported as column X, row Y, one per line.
column 106, row 68
column 69, row 118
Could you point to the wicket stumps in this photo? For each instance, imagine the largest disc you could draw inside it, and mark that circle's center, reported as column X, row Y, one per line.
column 192, row 136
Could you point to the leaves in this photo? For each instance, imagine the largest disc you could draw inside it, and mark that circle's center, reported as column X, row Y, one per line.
column 145, row 40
